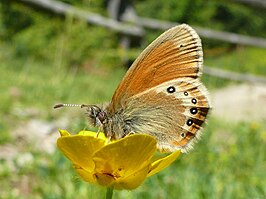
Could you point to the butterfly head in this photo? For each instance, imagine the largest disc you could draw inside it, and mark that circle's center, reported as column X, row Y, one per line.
column 97, row 116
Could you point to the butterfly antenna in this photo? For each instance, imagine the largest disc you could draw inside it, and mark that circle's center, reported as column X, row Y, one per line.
column 68, row 105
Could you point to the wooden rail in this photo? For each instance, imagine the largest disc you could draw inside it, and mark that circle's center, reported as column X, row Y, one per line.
column 257, row 3
column 206, row 33
column 233, row 75
column 66, row 9
column 136, row 29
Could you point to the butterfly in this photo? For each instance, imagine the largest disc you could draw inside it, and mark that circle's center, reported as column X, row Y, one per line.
column 161, row 94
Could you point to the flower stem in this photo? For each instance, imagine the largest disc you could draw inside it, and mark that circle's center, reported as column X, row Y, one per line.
column 109, row 192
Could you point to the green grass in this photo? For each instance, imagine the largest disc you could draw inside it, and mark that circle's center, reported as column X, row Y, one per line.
column 29, row 83
column 229, row 162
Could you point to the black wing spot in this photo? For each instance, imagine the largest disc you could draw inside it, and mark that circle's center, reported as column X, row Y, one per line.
column 171, row 89
column 189, row 122
column 193, row 111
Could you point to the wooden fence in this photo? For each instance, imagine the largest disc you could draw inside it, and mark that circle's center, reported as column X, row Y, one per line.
column 137, row 25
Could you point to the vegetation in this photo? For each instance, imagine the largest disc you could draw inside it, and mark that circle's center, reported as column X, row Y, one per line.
column 46, row 59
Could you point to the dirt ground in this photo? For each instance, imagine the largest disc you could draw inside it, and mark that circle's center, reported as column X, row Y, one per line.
column 244, row 102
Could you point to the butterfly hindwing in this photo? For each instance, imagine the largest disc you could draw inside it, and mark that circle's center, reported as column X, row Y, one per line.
column 173, row 112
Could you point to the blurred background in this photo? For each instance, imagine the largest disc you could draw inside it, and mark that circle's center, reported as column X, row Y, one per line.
column 77, row 51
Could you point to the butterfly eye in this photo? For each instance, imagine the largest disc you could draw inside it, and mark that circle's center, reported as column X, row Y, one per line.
column 171, row 89
column 194, row 101
column 193, row 111
column 189, row 122
column 101, row 116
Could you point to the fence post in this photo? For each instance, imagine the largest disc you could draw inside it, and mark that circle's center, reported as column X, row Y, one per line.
column 118, row 10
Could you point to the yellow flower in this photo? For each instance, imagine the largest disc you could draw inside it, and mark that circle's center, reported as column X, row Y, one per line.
column 122, row 164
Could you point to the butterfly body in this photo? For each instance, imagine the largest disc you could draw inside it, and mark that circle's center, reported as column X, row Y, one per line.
column 161, row 94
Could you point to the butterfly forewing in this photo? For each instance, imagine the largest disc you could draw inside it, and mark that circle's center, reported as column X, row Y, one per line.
column 174, row 54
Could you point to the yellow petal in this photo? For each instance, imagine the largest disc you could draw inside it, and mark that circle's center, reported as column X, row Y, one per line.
column 125, row 157
column 90, row 133
column 104, row 179
column 64, row 133
column 162, row 163
column 134, row 180
column 93, row 134
column 80, row 149
column 86, row 175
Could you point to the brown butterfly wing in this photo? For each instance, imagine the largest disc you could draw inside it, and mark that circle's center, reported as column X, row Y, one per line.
column 174, row 118
column 161, row 94
column 174, row 54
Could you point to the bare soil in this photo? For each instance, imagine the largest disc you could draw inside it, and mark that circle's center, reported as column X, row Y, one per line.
column 242, row 102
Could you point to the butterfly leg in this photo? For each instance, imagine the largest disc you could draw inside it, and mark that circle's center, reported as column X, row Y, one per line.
column 109, row 136
column 98, row 132
column 130, row 133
